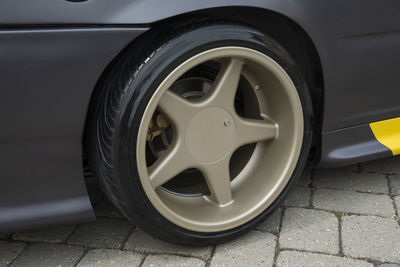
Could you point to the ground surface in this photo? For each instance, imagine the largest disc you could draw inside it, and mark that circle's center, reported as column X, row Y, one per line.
column 333, row 217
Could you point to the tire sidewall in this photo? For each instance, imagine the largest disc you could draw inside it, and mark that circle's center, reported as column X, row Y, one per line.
column 144, row 82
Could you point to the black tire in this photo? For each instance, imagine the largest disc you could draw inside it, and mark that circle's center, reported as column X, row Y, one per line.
column 122, row 99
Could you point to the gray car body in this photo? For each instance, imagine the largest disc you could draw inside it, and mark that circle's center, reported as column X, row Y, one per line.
column 53, row 52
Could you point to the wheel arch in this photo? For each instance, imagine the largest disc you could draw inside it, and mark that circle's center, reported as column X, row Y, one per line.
column 289, row 33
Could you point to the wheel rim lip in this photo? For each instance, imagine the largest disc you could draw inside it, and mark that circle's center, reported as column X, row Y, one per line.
column 287, row 83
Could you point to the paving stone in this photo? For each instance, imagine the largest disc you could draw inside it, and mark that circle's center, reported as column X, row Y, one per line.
column 252, row 249
column 298, row 196
column 49, row 255
column 388, row 165
column 367, row 237
column 305, row 178
column 371, row 237
column 348, row 201
column 395, row 184
column 397, row 202
column 172, row 261
column 349, row 180
column 353, row 168
column 56, row 234
column 102, row 233
column 9, row 251
column 144, row 243
column 107, row 257
column 305, row 259
column 271, row 224
column 106, row 209
column 311, row 230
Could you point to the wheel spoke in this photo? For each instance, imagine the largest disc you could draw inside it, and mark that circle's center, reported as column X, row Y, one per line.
column 218, row 180
column 172, row 162
column 226, row 83
column 252, row 131
column 177, row 109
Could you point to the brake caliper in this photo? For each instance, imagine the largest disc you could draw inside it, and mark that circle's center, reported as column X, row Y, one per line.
column 157, row 126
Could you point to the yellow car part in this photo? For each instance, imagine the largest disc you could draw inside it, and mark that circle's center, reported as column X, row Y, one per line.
column 387, row 132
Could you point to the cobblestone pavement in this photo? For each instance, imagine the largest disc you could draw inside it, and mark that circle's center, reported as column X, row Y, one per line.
column 332, row 217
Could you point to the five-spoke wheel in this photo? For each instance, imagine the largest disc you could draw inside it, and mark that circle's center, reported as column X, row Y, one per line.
column 206, row 132
column 199, row 130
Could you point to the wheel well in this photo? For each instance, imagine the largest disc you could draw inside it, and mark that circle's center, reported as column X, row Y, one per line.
column 286, row 31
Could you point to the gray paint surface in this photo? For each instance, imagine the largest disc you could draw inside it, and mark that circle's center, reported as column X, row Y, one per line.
column 48, row 76
column 350, row 146
column 357, row 42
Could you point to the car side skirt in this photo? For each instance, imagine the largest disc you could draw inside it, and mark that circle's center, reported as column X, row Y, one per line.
column 360, row 143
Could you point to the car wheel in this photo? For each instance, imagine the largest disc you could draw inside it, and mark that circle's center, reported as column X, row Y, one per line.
column 200, row 129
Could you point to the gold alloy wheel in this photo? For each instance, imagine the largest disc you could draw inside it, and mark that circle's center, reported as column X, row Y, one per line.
column 206, row 132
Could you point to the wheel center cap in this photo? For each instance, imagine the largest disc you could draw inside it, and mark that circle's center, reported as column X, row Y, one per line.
column 210, row 135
